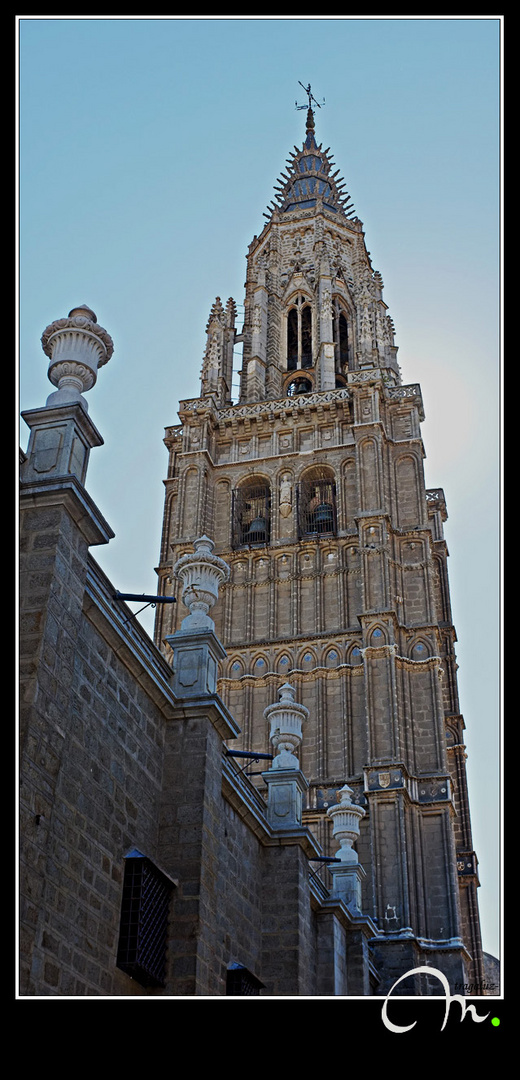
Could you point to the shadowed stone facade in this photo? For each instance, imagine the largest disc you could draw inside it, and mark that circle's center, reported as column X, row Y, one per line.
column 149, row 863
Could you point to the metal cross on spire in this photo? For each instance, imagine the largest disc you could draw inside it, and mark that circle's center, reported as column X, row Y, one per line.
column 310, row 96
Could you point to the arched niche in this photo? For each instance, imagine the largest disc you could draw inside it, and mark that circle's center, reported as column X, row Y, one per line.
column 317, row 502
column 377, row 637
column 299, row 332
column 307, row 660
column 251, row 513
column 419, row 649
column 354, row 654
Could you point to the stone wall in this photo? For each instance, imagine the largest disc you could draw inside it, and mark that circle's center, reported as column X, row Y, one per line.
column 111, row 760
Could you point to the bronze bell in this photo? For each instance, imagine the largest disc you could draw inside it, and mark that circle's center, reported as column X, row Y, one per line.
column 324, row 518
column 257, row 531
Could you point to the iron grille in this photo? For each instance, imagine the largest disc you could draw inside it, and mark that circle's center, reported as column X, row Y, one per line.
column 241, row 982
column 316, row 501
column 144, row 922
column 251, row 515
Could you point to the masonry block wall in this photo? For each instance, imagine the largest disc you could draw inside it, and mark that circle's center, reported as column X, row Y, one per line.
column 111, row 761
column 90, row 772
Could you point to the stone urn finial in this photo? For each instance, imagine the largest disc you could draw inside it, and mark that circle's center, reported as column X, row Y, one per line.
column 77, row 347
column 286, row 718
column 346, row 817
column 200, row 574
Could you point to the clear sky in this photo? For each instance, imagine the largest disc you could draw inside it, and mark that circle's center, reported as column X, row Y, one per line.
column 149, row 149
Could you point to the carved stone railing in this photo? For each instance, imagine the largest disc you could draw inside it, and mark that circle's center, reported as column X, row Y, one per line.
column 275, row 405
column 406, row 393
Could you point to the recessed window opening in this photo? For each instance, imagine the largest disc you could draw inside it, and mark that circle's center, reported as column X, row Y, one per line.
column 241, row 982
column 341, row 338
column 299, row 335
column 316, row 496
column 299, row 386
column 251, row 514
column 144, row 921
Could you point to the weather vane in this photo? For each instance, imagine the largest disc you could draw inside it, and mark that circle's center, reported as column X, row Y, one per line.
column 311, row 98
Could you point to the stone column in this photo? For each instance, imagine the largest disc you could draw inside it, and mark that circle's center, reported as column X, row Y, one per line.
column 326, row 363
column 257, row 362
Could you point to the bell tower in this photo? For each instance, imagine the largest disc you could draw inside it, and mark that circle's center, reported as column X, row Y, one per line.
column 311, row 486
column 313, row 308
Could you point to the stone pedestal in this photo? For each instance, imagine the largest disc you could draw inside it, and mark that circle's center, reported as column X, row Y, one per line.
column 60, row 442
column 285, row 790
column 347, row 882
column 195, row 662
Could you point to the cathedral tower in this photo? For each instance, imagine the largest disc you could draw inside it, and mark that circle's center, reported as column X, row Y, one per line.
column 311, row 485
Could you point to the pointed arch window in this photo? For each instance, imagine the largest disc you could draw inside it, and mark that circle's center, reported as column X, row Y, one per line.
column 341, row 336
column 316, row 501
column 251, row 514
column 299, row 334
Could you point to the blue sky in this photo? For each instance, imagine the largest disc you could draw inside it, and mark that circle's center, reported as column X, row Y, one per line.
column 149, row 149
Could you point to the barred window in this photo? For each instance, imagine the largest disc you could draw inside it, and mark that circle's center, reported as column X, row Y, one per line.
column 316, row 501
column 240, row 982
column 144, row 920
column 251, row 514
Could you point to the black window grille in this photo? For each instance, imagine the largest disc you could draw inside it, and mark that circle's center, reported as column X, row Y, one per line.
column 144, row 921
column 251, row 515
column 316, row 502
column 240, row 982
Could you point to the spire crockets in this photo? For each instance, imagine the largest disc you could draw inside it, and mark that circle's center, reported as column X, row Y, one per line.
column 309, row 178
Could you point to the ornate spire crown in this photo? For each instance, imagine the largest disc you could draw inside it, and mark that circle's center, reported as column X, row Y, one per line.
column 310, row 175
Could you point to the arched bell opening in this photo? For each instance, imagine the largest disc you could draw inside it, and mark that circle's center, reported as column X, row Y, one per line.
column 252, row 514
column 342, row 334
column 297, row 386
column 299, row 334
column 316, row 502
